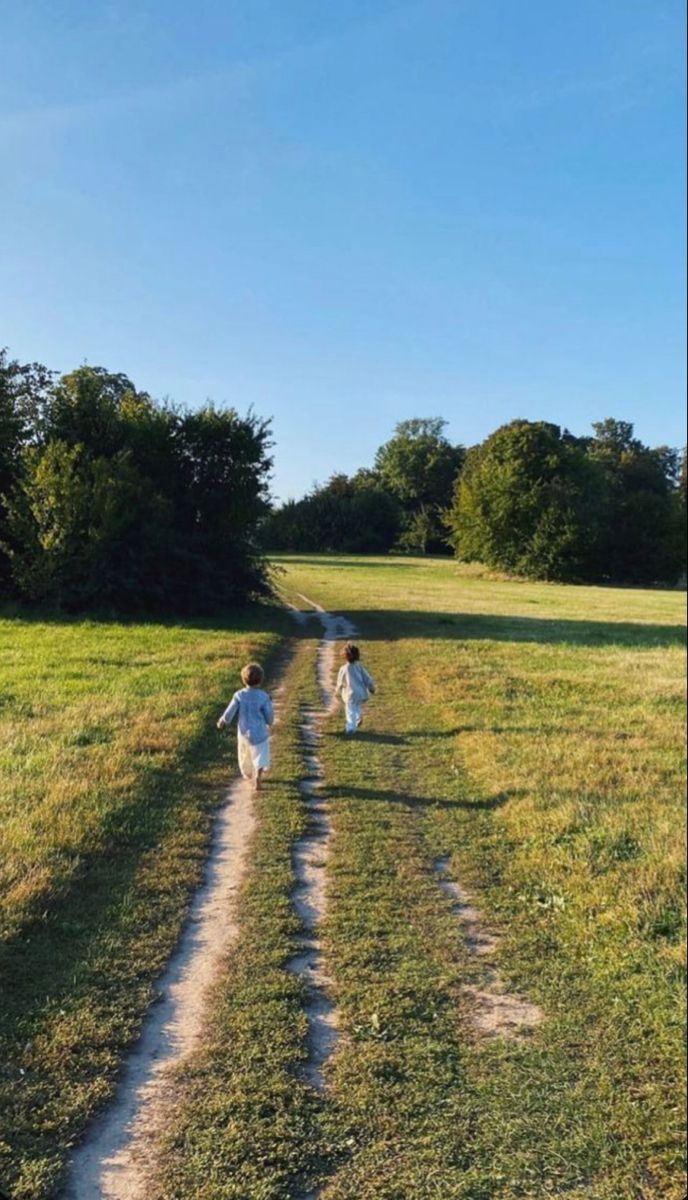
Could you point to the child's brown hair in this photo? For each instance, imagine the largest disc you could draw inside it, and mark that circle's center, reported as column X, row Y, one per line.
column 252, row 675
column 351, row 653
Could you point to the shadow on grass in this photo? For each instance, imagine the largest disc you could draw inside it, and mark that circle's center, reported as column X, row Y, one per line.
column 52, row 958
column 378, row 739
column 376, row 796
column 79, row 952
column 251, row 618
column 51, row 953
column 431, row 735
column 391, row 625
column 52, row 950
column 339, row 561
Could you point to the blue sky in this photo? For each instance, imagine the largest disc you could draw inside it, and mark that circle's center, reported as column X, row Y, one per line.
column 348, row 213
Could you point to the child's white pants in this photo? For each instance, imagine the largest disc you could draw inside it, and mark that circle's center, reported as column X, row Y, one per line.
column 252, row 759
column 353, row 710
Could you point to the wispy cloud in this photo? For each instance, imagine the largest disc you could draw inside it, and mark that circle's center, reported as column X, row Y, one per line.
column 618, row 92
column 237, row 79
column 653, row 63
column 559, row 91
column 161, row 96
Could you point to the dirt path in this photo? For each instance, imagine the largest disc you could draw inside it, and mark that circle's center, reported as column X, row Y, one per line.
column 496, row 1012
column 310, row 856
column 109, row 1163
column 112, row 1162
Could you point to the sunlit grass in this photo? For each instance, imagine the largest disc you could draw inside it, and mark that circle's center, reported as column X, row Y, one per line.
column 531, row 732
column 535, row 734
column 110, row 766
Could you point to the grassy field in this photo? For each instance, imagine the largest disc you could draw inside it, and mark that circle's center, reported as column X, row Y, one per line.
column 110, row 767
column 529, row 735
column 534, row 734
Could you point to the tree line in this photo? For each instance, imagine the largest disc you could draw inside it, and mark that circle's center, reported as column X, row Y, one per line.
column 111, row 500
column 396, row 504
column 532, row 499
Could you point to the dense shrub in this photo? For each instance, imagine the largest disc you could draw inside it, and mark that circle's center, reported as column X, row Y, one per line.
column 111, row 500
column 349, row 516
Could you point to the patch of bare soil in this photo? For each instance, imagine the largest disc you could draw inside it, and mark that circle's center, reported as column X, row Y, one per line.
column 495, row 1012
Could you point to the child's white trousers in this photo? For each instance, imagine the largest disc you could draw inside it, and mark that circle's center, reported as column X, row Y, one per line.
column 252, row 759
column 353, row 710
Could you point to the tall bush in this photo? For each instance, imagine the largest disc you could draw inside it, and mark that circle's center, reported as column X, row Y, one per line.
column 113, row 500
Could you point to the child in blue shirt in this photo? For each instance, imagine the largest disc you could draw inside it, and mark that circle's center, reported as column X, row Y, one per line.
column 253, row 707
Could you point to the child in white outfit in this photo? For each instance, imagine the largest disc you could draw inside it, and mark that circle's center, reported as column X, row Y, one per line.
column 253, row 707
column 354, row 686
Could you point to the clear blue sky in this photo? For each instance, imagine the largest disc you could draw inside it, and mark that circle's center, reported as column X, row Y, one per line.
column 349, row 212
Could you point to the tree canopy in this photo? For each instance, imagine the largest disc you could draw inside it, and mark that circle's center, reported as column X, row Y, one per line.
column 532, row 499
column 642, row 538
column 418, row 466
column 528, row 502
column 539, row 502
column 109, row 499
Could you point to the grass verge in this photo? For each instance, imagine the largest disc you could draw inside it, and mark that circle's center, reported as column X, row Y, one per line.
column 109, row 774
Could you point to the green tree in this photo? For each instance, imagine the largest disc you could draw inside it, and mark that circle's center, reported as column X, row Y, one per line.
column 420, row 531
column 350, row 515
column 87, row 409
column 528, row 501
column 221, row 489
column 680, row 545
column 121, row 502
column 23, row 389
column 640, row 544
column 82, row 528
column 419, row 466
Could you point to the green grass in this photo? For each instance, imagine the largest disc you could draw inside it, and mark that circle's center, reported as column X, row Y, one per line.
column 534, row 733
column 110, row 767
column 546, row 756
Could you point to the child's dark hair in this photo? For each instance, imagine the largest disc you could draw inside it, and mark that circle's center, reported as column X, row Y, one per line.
column 252, row 675
column 351, row 653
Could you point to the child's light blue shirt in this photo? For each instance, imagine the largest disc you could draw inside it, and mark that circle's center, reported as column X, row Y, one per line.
column 254, row 707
